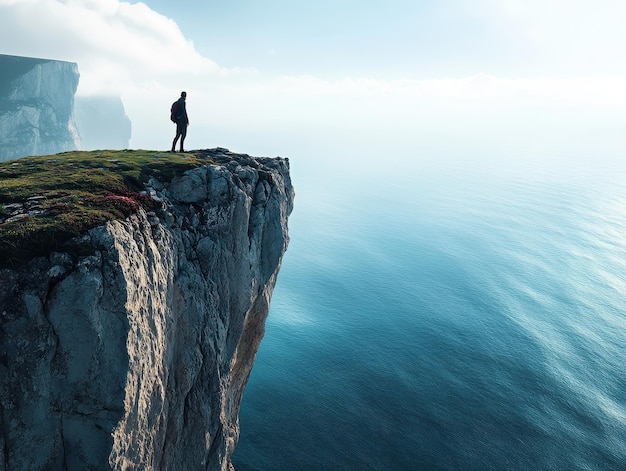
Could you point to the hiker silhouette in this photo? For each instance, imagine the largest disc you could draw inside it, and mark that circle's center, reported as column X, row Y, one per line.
column 179, row 116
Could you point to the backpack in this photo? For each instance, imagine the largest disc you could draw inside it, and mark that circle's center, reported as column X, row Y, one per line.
column 174, row 111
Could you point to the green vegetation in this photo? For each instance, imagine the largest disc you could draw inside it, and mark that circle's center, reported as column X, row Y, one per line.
column 47, row 200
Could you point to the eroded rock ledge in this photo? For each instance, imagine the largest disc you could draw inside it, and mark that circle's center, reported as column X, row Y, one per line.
column 135, row 356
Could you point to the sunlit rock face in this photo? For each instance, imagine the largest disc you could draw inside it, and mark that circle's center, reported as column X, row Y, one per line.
column 102, row 122
column 133, row 354
column 36, row 106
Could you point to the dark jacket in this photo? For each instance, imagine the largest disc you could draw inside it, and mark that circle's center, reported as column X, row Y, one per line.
column 181, row 114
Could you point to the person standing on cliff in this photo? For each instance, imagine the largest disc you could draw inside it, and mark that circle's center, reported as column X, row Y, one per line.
column 179, row 116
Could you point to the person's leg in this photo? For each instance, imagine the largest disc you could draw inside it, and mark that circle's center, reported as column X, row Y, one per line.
column 183, row 134
column 179, row 132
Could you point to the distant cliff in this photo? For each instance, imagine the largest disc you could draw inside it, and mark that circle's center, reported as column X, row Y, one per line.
column 40, row 115
column 102, row 122
column 129, row 347
column 36, row 106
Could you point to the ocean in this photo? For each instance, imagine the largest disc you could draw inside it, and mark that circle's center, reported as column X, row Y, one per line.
column 446, row 319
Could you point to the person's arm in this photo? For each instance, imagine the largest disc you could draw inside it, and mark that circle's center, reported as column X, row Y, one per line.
column 184, row 111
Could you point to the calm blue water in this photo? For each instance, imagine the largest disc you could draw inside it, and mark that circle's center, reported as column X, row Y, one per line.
column 446, row 320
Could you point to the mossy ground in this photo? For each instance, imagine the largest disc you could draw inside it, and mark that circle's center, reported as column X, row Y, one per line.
column 64, row 195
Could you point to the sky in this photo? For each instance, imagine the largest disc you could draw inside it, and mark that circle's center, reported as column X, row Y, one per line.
column 405, row 79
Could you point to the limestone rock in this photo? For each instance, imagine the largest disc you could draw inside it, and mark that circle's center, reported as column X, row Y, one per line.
column 40, row 115
column 135, row 356
column 36, row 106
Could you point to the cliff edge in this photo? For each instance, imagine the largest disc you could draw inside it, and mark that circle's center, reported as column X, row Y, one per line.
column 128, row 347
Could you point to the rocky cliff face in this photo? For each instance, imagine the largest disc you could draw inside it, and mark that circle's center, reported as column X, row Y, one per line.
column 134, row 355
column 36, row 106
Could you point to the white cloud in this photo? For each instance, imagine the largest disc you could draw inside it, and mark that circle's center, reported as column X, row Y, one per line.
column 115, row 43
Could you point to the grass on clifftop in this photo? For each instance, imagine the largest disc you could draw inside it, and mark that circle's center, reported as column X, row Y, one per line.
column 47, row 200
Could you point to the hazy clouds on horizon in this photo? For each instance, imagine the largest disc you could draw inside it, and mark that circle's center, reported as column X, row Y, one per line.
column 465, row 78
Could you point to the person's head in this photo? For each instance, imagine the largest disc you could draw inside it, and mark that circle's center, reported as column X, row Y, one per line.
column 183, row 94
